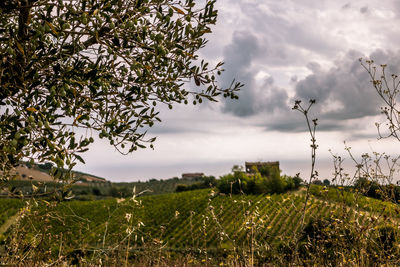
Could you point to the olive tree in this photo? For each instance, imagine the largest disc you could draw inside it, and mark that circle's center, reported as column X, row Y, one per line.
column 101, row 65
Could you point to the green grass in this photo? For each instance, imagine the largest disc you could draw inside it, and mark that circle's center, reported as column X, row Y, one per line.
column 188, row 220
column 8, row 208
column 347, row 197
column 181, row 220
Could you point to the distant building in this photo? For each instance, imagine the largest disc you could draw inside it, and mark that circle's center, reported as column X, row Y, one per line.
column 251, row 166
column 192, row 176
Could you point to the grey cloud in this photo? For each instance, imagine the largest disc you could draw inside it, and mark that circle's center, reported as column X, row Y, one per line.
column 283, row 37
column 314, row 66
column 273, row 99
column 253, row 98
column 362, row 135
column 396, row 8
column 186, row 119
column 343, row 93
column 172, row 128
column 301, row 36
column 295, row 122
column 239, row 56
column 184, row 126
column 284, row 41
column 364, row 10
column 346, row 6
column 392, row 59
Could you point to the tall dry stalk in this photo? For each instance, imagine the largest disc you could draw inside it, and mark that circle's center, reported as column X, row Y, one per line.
column 311, row 129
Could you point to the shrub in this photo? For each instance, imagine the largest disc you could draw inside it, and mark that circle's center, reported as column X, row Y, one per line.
column 181, row 188
column 207, row 182
column 373, row 189
column 232, row 183
column 240, row 182
column 46, row 166
column 96, row 191
column 317, row 182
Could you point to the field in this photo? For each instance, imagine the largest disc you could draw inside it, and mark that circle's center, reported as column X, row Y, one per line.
column 199, row 222
column 97, row 190
column 8, row 208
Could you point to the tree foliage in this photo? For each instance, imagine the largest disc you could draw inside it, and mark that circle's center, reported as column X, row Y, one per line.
column 257, row 183
column 205, row 182
column 102, row 66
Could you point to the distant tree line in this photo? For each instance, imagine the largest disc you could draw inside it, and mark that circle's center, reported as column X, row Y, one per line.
column 98, row 190
column 326, row 182
column 205, row 182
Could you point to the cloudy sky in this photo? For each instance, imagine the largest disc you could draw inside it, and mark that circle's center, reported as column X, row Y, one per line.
column 281, row 51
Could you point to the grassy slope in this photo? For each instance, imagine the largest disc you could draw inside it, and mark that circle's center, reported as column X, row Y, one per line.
column 39, row 174
column 23, row 173
column 189, row 219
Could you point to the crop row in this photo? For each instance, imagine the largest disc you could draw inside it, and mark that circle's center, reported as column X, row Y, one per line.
column 194, row 219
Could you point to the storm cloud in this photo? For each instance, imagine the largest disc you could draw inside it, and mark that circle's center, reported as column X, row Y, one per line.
column 254, row 98
column 281, row 56
column 343, row 92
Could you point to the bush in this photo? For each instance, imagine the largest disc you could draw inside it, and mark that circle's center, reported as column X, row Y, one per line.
column 233, row 183
column 207, row 182
column 96, row 191
column 242, row 183
column 181, row 188
column 46, row 166
column 326, row 182
column 317, row 182
column 373, row 189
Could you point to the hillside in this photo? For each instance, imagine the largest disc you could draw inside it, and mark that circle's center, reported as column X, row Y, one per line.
column 34, row 174
column 35, row 180
column 198, row 221
column 41, row 172
column 95, row 190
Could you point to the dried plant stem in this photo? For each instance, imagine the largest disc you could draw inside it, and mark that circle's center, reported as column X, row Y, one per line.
column 311, row 129
column 313, row 174
column 252, row 242
column 127, row 250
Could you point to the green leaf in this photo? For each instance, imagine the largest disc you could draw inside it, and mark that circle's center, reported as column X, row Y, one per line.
column 79, row 158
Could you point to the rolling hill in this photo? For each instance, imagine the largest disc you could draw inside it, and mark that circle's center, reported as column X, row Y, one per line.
column 41, row 172
column 200, row 221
